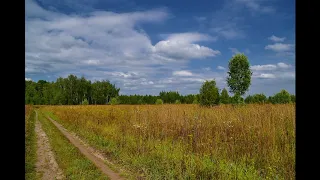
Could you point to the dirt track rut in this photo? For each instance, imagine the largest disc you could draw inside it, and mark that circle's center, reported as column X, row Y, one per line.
column 88, row 152
column 46, row 163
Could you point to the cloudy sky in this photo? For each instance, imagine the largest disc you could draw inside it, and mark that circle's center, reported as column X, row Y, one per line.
column 146, row 46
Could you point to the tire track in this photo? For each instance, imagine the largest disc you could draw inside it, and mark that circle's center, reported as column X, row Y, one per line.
column 87, row 151
column 46, row 164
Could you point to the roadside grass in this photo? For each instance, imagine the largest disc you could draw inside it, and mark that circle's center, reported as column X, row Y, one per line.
column 188, row 141
column 30, row 143
column 74, row 165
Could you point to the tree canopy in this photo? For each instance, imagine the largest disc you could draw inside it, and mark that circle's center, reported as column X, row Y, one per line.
column 239, row 74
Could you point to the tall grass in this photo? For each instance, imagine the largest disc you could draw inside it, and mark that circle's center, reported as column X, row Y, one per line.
column 188, row 141
column 30, row 143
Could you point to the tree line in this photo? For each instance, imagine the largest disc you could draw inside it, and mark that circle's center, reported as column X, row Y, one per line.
column 73, row 90
column 69, row 91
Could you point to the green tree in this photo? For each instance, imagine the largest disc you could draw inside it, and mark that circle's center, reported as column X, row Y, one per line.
column 237, row 99
column 239, row 75
column 256, row 98
column 177, row 102
column 281, row 97
column 293, row 98
column 159, row 101
column 224, row 98
column 209, row 94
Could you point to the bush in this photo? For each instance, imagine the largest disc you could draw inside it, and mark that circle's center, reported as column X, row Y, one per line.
column 195, row 102
column 85, row 102
column 177, row 102
column 159, row 101
column 114, row 101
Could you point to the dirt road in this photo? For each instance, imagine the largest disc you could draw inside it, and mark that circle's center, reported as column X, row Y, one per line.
column 46, row 163
column 88, row 152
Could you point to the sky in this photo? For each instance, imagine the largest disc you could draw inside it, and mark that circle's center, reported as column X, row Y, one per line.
column 144, row 47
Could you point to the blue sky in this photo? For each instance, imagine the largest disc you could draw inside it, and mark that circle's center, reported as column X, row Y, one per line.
column 145, row 47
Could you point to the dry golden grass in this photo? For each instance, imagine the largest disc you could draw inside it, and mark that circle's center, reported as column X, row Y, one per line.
column 188, row 141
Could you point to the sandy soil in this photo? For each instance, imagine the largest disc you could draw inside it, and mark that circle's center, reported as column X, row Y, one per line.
column 46, row 163
column 92, row 154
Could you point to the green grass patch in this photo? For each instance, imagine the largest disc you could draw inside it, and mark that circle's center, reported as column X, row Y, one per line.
column 30, row 145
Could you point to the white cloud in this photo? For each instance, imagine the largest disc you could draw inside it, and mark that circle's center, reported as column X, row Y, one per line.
column 182, row 73
column 207, row 69
column 283, row 65
column 181, row 46
column 264, row 67
column 28, row 79
column 221, row 68
column 276, row 39
column 106, row 45
column 147, row 82
column 280, row 47
column 270, row 67
column 265, row 76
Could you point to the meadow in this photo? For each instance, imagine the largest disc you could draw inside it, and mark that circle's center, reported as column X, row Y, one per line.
column 30, row 143
column 180, row 141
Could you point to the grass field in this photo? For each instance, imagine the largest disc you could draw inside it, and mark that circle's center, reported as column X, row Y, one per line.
column 30, row 143
column 187, row 141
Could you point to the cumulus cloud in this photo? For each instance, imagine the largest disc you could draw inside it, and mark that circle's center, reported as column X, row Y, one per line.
column 276, row 39
column 264, row 67
column 270, row 67
column 182, row 73
column 283, row 65
column 28, row 79
column 181, row 46
column 279, row 72
column 280, row 47
column 264, row 76
column 106, row 45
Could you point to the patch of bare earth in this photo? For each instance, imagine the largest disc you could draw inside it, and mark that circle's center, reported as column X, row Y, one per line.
column 46, row 165
column 92, row 154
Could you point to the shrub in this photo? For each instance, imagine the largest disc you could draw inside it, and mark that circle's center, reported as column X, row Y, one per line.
column 159, row 101
column 195, row 101
column 85, row 102
column 114, row 101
